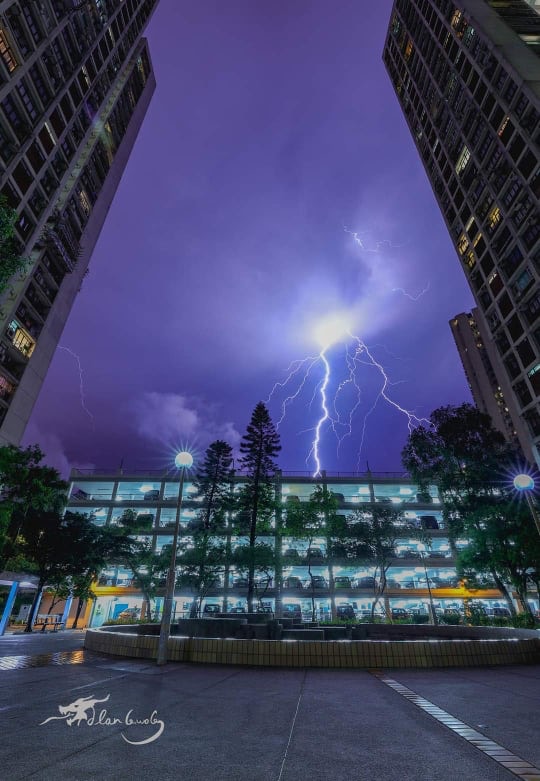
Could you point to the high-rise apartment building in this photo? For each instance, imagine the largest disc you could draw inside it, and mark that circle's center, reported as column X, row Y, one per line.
column 467, row 76
column 75, row 82
column 486, row 391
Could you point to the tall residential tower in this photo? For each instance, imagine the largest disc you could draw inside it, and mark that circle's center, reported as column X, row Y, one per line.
column 467, row 76
column 75, row 82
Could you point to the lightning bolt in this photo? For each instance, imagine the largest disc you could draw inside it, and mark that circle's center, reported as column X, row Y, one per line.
column 357, row 355
column 410, row 295
column 81, row 383
column 378, row 244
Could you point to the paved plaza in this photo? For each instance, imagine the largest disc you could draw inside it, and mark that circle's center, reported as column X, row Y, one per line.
column 215, row 723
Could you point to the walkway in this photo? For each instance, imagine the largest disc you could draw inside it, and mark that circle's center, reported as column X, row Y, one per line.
column 216, row 723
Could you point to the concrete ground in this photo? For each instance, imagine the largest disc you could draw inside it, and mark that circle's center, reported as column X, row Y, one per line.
column 252, row 724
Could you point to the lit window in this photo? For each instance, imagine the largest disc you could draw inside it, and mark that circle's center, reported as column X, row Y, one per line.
column 477, row 239
column 456, row 18
column 84, row 201
column 503, row 124
column 470, row 259
column 6, row 53
column 49, row 132
column 463, row 244
column 20, row 338
column 463, row 159
column 494, row 217
column 408, row 49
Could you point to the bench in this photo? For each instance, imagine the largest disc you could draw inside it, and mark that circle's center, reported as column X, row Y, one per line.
column 54, row 620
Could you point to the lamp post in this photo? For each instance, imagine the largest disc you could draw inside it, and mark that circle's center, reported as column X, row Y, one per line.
column 183, row 461
column 525, row 484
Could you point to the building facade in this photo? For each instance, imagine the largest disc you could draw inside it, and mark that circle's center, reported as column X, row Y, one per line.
column 75, row 82
column 422, row 570
column 467, row 76
column 484, row 384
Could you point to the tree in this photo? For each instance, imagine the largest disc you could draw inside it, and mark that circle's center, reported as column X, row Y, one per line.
column 56, row 546
column 27, row 486
column 311, row 519
column 375, row 532
column 138, row 555
column 502, row 541
column 473, row 464
column 259, row 447
column 258, row 558
column 11, row 260
column 203, row 563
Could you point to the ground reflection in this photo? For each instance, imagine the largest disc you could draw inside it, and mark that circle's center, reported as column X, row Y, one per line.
column 41, row 660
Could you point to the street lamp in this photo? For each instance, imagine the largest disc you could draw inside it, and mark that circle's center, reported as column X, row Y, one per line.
column 525, row 484
column 183, row 461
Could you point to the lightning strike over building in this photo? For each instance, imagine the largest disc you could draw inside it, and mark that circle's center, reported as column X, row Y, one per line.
column 81, row 382
column 332, row 376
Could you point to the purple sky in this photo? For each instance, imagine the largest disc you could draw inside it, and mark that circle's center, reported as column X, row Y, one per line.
column 273, row 127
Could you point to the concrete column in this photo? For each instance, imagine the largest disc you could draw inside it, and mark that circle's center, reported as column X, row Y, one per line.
column 67, row 608
column 8, row 607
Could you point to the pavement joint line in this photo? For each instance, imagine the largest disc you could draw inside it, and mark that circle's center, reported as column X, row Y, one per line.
column 302, row 685
column 502, row 756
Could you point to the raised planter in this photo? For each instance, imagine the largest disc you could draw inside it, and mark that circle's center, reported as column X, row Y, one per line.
column 422, row 646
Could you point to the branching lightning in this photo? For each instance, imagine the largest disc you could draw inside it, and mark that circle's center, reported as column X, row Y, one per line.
column 376, row 248
column 81, row 383
column 410, row 295
column 357, row 356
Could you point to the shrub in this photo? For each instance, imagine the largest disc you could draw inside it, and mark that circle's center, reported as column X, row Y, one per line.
column 523, row 621
column 450, row 619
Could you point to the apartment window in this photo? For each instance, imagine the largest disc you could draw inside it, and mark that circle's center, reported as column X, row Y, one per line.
column 57, row 122
column 511, row 194
column 502, row 342
column 23, row 177
column 532, row 308
column 526, row 353
column 495, row 283
column 463, row 159
column 533, row 421
column 32, row 25
column 20, row 338
column 512, row 366
column 511, row 261
column 534, row 377
column 527, row 164
column 516, row 148
column 40, row 85
column 84, row 201
column 47, row 139
column 462, row 244
column 36, row 157
column 24, row 225
column 487, row 264
column 505, row 306
column 6, row 52
column 521, row 389
column 27, row 100
column 515, row 329
column 493, row 218
column 530, row 235
column 14, row 117
column 18, row 31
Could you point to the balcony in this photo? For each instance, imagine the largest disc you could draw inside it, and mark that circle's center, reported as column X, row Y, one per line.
column 61, row 242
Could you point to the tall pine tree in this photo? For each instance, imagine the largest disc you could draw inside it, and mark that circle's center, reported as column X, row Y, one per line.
column 204, row 562
column 259, row 447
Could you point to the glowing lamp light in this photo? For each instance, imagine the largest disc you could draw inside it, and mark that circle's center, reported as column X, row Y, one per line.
column 183, row 460
column 144, row 488
column 332, row 328
column 523, row 482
